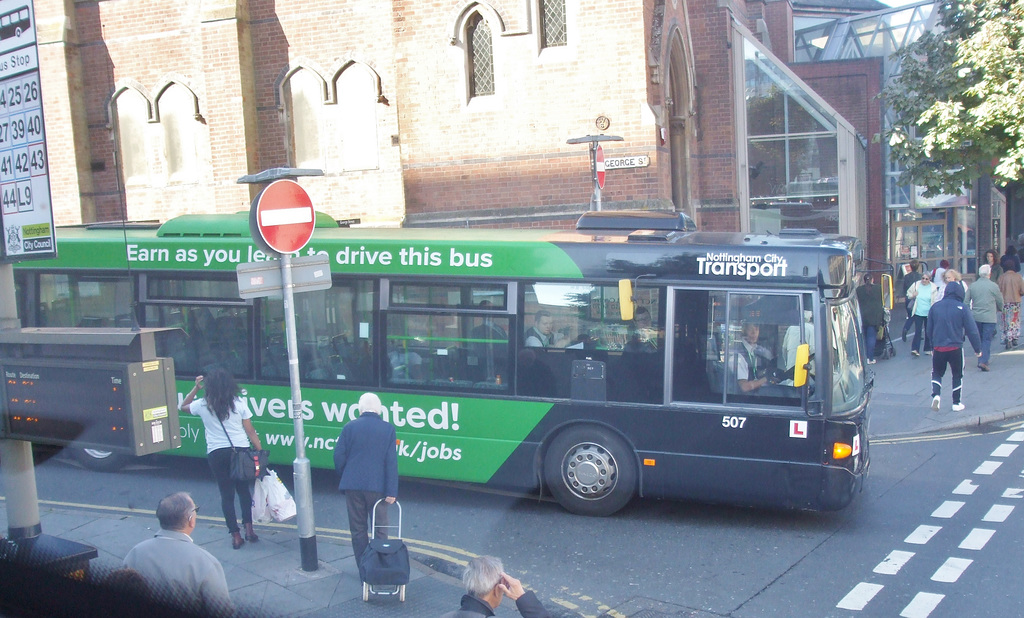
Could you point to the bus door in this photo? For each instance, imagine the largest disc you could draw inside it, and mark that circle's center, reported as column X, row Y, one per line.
column 732, row 386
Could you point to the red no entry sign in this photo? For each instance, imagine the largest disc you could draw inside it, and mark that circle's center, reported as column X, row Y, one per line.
column 600, row 166
column 282, row 215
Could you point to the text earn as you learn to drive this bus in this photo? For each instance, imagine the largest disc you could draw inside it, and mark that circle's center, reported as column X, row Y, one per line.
column 632, row 356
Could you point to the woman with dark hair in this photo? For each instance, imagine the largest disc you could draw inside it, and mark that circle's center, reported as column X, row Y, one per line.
column 992, row 259
column 226, row 419
column 1011, row 255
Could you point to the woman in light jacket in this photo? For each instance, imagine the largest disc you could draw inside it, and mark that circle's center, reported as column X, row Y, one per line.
column 227, row 423
column 923, row 292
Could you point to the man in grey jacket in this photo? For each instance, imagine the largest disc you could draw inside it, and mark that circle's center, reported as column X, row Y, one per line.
column 487, row 584
column 177, row 570
column 986, row 303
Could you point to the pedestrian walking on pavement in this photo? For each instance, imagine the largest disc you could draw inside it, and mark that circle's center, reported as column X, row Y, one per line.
column 1011, row 284
column 949, row 321
column 923, row 292
column 939, row 280
column 869, row 297
column 986, row 302
column 910, row 279
column 366, row 459
column 1011, row 255
column 992, row 259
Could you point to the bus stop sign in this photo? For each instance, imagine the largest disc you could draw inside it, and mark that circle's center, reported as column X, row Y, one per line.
column 282, row 216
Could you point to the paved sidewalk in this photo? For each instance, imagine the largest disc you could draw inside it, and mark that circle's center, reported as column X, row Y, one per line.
column 901, row 402
column 266, row 580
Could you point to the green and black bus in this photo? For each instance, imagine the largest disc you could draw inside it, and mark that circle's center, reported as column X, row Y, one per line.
column 631, row 356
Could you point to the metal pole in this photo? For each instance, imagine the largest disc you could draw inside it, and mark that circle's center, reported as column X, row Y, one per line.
column 303, row 481
column 16, row 466
column 595, row 197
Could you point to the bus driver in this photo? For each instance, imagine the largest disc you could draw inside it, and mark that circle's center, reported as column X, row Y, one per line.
column 752, row 360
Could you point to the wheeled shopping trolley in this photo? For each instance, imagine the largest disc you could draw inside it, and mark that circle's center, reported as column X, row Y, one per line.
column 384, row 566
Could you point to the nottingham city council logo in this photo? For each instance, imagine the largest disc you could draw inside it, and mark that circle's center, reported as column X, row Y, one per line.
column 14, row 239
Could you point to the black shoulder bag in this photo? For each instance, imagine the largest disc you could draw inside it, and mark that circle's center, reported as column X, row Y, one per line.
column 247, row 464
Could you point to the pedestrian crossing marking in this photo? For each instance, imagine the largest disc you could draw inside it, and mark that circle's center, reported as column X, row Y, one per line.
column 965, row 488
column 947, row 509
column 977, row 539
column 922, row 535
column 859, row 597
column 998, row 513
column 988, row 467
column 922, row 605
column 951, row 570
column 893, row 562
column 1004, row 450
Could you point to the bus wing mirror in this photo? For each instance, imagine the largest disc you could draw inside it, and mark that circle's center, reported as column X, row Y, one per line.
column 803, row 357
column 887, row 291
column 626, row 300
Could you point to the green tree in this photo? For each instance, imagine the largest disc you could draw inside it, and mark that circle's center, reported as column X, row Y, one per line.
column 959, row 98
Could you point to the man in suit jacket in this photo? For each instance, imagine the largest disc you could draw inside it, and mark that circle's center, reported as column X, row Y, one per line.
column 366, row 459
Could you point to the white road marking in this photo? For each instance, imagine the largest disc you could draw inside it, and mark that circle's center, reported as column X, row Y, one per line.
column 988, row 467
column 922, row 605
column 948, row 509
column 977, row 539
column 893, row 562
column 857, row 598
column 1004, row 450
column 1018, row 436
column 951, row 570
column 922, row 535
column 1012, row 492
column 998, row 513
column 965, row 488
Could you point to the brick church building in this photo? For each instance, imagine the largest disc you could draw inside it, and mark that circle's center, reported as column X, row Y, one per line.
column 458, row 112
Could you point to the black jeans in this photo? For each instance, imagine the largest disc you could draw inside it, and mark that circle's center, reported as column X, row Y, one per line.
column 359, row 504
column 220, row 465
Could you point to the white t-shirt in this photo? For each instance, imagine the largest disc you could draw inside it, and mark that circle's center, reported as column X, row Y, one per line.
column 215, row 437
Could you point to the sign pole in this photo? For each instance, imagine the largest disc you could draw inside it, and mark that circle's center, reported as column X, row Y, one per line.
column 596, row 175
column 282, row 220
column 16, row 465
column 300, row 467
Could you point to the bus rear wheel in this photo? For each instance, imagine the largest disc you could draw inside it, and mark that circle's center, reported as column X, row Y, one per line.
column 590, row 471
column 99, row 460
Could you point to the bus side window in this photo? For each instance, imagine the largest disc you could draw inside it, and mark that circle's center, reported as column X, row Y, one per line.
column 333, row 334
column 698, row 370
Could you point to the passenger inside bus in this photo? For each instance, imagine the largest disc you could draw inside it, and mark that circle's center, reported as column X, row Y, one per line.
column 643, row 337
column 792, row 340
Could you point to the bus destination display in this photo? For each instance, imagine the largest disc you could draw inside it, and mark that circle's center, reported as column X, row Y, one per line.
column 65, row 405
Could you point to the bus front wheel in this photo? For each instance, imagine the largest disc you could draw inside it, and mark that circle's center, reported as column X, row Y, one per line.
column 590, row 471
column 99, row 460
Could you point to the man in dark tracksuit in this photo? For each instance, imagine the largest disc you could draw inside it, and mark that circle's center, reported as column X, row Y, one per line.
column 366, row 458
column 948, row 321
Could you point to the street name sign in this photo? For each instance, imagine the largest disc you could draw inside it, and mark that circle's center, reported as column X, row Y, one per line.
column 616, row 163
